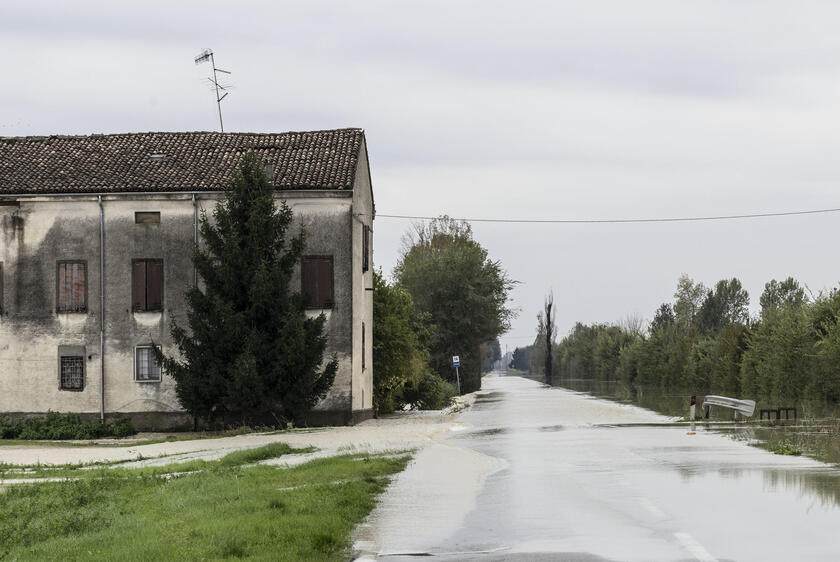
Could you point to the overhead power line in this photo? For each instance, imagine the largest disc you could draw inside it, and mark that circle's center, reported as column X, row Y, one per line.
column 622, row 221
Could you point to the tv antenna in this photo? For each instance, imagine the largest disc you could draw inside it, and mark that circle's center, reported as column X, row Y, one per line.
column 207, row 54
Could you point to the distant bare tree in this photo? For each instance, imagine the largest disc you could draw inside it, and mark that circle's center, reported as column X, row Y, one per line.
column 549, row 335
column 632, row 324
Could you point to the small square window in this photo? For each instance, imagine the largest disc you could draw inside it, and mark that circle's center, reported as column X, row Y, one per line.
column 72, row 372
column 147, row 217
column 146, row 367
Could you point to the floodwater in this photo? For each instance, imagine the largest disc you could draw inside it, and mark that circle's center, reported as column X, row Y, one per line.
column 539, row 473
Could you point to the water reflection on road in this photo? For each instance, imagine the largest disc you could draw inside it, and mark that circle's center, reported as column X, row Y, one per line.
column 579, row 478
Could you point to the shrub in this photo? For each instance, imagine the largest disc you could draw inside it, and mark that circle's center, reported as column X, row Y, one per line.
column 63, row 426
column 431, row 393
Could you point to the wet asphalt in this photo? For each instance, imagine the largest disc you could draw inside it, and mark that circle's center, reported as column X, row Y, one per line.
column 538, row 473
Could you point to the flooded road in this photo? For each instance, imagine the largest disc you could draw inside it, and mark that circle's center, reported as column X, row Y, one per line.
column 537, row 473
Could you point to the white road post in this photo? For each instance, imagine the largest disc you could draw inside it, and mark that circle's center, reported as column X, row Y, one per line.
column 691, row 414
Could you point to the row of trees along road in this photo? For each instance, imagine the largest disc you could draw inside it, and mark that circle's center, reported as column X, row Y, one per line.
column 706, row 342
column 447, row 298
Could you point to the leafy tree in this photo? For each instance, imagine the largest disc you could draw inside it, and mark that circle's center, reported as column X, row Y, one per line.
column 549, row 337
column 777, row 294
column 491, row 352
column 689, row 297
column 398, row 352
column 663, row 318
column 521, row 358
column 450, row 276
column 250, row 354
column 779, row 358
column 536, row 358
column 727, row 304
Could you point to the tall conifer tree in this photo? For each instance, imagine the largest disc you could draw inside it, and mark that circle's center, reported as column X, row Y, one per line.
column 250, row 354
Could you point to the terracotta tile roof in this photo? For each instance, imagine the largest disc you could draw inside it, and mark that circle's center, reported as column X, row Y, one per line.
column 159, row 162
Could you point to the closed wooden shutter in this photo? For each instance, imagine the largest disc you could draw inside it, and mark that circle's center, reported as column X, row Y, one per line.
column 138, row 286
column 154, row 285
column 71, row 289
column 325, row 288
column 317, row 281
column 147, row 285
column 78, row 296
column 365, row 248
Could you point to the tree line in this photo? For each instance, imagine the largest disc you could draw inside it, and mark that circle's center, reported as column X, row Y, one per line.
column 706, row 342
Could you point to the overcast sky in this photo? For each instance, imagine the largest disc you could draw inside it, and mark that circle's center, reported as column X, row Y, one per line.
column 523, row 110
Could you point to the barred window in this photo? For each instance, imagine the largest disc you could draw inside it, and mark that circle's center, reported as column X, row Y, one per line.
column 146, row 367
column 71, row 286
column 72, row 372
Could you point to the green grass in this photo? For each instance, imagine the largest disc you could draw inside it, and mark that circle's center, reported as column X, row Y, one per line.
column 231, row 509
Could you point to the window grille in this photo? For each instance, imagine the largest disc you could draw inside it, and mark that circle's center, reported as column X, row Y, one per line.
column 72, row 373
column 146, row 368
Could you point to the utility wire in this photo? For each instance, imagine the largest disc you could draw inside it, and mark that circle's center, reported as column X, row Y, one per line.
column 623, row 221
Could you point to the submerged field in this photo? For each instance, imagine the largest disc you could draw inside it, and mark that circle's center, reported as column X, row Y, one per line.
column 205, row 510
column 816, row 431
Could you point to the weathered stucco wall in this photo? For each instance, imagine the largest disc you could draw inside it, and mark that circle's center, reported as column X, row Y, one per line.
column 363, row 293
column 39, row 232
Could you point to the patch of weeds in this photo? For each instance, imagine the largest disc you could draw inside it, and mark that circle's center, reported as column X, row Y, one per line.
column 277, row 503
column 325, row 543
column 63, row 426
column 228, row 546
column 785, row 447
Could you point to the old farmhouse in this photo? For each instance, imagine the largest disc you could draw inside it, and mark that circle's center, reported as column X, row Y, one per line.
column 95, row 240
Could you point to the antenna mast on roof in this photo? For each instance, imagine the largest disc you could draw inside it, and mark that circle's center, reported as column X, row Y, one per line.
column 207, row 54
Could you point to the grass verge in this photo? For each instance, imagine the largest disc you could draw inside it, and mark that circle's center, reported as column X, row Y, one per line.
column 230, row 509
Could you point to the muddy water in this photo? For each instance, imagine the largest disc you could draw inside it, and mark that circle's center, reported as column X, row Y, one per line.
column 560, row 475
column 816, row 431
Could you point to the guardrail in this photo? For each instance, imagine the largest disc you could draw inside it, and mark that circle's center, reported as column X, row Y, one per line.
column 745, row 408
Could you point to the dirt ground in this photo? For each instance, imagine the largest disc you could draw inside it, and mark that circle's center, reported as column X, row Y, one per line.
column 398, row 432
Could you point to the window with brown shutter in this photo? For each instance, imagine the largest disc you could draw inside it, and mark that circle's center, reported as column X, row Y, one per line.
column 71, row 286
column 365, row 248
column 363, row 346
column 147, row 285
column 317, row 281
